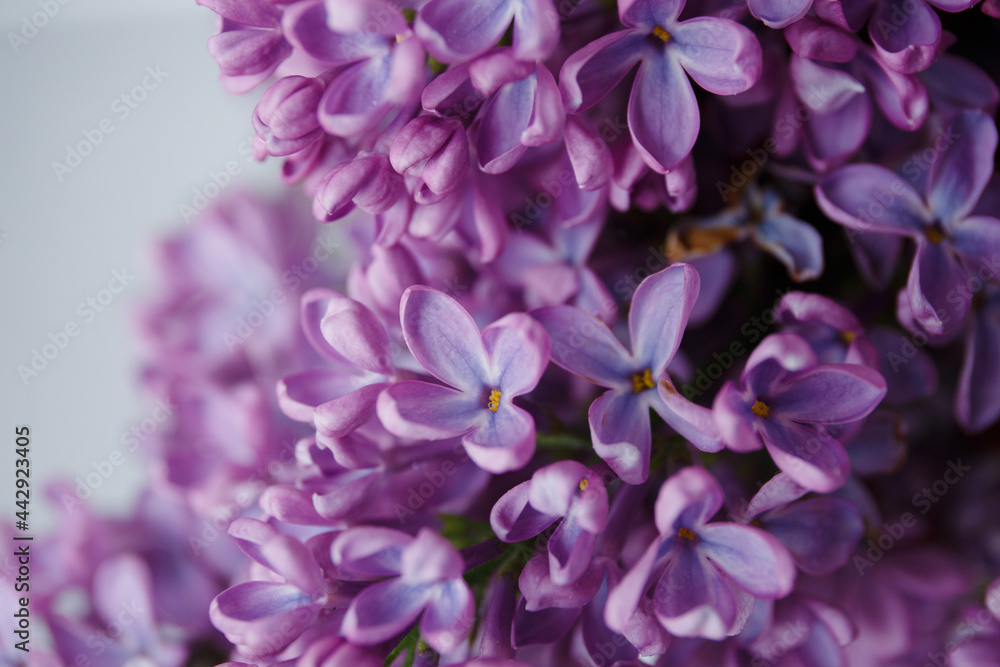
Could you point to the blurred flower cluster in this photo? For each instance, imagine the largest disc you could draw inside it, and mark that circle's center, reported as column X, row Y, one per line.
column 645, row 333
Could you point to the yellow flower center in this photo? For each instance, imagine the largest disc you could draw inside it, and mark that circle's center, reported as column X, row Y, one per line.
column 760, row 409
column 642, row 381
column 494, row 403
column 686, row 534
column 847, row 337
column 661, row 33
column 584, row 483
column 934, row 235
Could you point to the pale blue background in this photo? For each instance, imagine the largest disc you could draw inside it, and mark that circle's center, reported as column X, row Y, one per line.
column 63, row 240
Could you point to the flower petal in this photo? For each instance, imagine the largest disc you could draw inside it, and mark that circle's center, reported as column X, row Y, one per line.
column 620, row 430
column 663, row 112
column 692, row 599
column 821, row 533
column 584, row 345
column 458, row 30
column 868, row 197
column 936, row 277
column 960, row 173
column 755, row 560
column 342, row 416
column 514, row 520
column 811, row 457
column 591, row 73
column 722, row 56
column 504, row 440
column 262, row 617
column 383, row 610
column 443, row 338
column 449, row 617
column 659, row 313
column 536, row 29
column 796, row 244
column 518, row 351
column 688, row 499
column 505, row 119
column 828, row 394
column 418, row 410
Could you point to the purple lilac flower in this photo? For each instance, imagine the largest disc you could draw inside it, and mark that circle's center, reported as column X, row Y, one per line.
column 459, row 30
column 619, row 419
column 425, row 578
column 264, row 615
column 357, row 348
column 760, row 217
column 950, row 240
column 722, row 56
column 567, row 490
column 482, row 374
column 701, row 575
column 783, row 401
column 250, row 44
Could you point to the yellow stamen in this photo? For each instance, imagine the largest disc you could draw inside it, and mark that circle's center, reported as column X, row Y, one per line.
column 494, row 403
column 400, row 39
column 760, row 409
column 847, row 337
column 933, row 235
column 584, row 483
column 642, row 381
column 661, row 33
column 685, row 533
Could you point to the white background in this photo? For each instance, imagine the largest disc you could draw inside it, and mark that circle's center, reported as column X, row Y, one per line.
column 62, row 240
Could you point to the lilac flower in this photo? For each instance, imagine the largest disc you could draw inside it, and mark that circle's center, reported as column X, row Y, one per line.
column 760, row 217
column 781, row 392
column 425, row 578
column 553, row 271
column 722, row 56
column 285, row 119
column 126, row 629
column 833, row 332
column 357, row 349
column 619, row 419
column 820, row 532
column 566, row 490
column 951, row 241
column 801, row 630
column 908, row 39
column 263, row 616
column 702, row 576
column 376, row 67
column 524, row 109
column 482, row 373
column 455, row 31
column 250, row 44
column 838, row 79
column 433, row 150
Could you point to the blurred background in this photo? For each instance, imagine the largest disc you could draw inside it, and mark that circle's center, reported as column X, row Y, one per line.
column 114, row 128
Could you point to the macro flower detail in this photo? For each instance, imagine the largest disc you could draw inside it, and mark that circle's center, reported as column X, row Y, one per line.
column 701, row 576
column 567, row 490
column 458, row 30
column 784, row 400
column 951, row 240
column 425, row 580
column 482, row 374
column 722, row 56
column 354, row 450
column 356, row 348
column 638, row 380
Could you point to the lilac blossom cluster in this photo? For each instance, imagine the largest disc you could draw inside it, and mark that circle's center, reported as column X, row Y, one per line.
column 609, row 359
